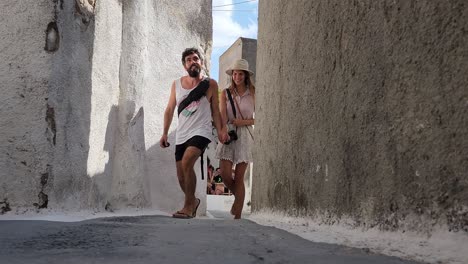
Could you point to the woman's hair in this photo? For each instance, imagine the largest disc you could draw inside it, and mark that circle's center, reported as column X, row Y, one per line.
column 247, row 80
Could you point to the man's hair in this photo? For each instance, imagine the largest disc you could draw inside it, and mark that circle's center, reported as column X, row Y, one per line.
column 190, row 51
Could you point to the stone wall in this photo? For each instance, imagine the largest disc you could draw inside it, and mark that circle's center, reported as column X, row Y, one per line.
column 86, row 84
column 366, row 103
column 26, row 137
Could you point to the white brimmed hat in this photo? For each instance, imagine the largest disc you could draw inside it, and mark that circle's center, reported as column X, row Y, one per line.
column 239, row 65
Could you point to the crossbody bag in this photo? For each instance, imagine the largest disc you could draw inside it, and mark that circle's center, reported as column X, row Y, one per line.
column 194, row 95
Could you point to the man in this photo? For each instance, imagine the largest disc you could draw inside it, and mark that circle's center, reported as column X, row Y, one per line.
column 194, row 125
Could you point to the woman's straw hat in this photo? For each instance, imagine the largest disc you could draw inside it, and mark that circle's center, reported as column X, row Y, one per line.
column 239, row 65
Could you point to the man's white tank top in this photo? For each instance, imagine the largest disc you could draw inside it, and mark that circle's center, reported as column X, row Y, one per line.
column 195, row 119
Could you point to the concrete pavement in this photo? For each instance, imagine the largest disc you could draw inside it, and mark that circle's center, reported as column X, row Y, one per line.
column 162, row 239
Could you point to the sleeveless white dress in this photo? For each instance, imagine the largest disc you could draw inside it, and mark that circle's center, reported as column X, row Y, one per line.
column 240, row 150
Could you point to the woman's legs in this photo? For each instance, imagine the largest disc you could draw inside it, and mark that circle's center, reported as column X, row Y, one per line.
column 226, row 174
column 236, row 185
column 240, row 190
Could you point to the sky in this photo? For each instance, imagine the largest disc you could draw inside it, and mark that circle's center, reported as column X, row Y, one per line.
column 231, row 19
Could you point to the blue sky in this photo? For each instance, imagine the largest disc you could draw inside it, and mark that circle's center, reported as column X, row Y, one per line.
column 230, row 25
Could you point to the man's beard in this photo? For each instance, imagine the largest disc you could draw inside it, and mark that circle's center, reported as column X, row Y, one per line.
column 195, row 72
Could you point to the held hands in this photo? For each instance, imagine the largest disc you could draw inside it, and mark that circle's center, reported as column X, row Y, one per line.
column 223, row 135
column 163, row 142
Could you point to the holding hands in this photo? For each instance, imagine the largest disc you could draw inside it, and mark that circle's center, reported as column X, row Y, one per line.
column 223, row 135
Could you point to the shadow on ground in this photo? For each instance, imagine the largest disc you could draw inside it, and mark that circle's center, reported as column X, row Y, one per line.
column 162, row 239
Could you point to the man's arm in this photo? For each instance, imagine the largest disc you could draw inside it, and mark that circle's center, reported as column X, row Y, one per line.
column 215, row 114
column 168, row 115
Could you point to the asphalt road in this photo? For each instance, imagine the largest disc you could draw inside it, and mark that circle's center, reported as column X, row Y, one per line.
column 162, row 239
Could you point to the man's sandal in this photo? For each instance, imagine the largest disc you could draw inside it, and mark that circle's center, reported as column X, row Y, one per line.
column 196, row 208
column 181, row 215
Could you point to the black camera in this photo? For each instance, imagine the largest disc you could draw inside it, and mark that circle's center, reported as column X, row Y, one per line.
column 232, row 136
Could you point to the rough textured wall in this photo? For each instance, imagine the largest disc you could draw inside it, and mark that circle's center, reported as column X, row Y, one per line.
column 106, row 86
column 89, row 81
column 25, row 141
column 366, row 103
column 70, row 92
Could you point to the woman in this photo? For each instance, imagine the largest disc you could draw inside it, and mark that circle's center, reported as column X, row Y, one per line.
column 238, row 152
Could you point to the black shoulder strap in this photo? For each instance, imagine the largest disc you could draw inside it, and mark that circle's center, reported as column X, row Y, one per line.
column 194, row 95
column 201, row 164
column 232, row 102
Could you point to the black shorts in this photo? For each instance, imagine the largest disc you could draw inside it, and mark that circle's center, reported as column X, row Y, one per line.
column 195, row 141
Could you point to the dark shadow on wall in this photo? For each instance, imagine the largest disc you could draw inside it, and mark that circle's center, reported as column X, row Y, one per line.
column 101, row 184
column 130, row 187
column 123, row 182
column 161, row 170
column 69, row 109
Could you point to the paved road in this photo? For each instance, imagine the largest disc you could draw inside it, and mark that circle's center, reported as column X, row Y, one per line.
column 162, row 239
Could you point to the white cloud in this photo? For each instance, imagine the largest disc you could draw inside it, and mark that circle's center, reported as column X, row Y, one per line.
column 225, row 29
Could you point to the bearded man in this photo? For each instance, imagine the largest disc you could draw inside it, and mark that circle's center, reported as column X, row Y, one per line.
column 196, row 98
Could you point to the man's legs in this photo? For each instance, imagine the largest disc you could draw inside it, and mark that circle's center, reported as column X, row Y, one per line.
column 189, row 179
column 180, row 175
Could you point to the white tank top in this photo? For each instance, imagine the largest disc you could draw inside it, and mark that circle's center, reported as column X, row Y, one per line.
column 195, row 119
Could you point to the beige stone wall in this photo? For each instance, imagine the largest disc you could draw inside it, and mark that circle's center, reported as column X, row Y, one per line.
column 362, row 112
column 25, row 68
column 84, row 91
